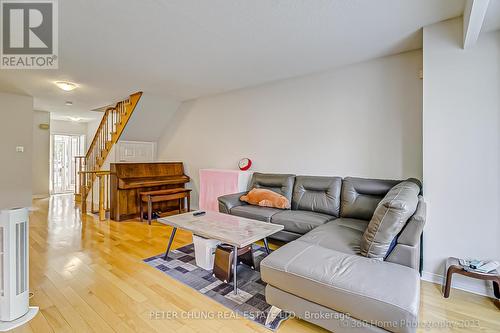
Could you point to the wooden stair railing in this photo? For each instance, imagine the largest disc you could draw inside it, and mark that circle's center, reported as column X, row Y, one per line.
column 103, row 181
column 110, row 129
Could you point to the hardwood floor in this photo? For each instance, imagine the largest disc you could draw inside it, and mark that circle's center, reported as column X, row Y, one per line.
column 88, row 276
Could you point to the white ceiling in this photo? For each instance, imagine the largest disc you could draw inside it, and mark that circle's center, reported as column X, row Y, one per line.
column 183, row 49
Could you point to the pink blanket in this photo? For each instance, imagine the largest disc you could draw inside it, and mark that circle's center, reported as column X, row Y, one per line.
column 214, row 183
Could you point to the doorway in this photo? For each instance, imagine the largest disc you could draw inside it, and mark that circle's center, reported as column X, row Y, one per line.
column 64, row 149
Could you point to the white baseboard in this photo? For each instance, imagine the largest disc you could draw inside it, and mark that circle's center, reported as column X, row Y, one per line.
column 484, row 288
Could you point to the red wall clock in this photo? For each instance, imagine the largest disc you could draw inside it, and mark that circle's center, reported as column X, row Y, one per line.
column 245, row 164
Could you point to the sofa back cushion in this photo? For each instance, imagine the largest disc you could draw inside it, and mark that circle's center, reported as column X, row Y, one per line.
column 279, row 183
column 410, row 235
column 360, row 196
column 390, row 216
column 317, row 194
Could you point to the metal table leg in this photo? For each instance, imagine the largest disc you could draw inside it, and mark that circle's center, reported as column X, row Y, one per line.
column 170, row 243
column 235, row 266
column 266, row 245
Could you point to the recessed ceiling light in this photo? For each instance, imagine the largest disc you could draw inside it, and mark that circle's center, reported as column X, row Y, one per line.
column 69, row 103
column 65, row 85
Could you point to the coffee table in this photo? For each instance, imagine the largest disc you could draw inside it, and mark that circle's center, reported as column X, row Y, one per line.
column 234, row 230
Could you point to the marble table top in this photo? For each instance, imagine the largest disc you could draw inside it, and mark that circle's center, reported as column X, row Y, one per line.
column 234, row 230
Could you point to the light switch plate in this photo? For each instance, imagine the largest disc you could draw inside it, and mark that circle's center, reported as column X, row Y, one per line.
column 20, row 149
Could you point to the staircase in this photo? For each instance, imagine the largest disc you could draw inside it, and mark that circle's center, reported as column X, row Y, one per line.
column 88, row 167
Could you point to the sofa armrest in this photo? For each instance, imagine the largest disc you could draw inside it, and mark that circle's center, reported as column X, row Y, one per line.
column 405, row 255
column 228, row 202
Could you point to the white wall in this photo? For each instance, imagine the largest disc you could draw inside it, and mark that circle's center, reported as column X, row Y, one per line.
column 360, row 120
column 41, row 154
column 149, row 119
column 92, row 127
column 67, row 127
column 461, row 153
column 16, row 129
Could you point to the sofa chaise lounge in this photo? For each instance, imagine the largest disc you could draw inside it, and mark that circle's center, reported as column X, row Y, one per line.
column 323, row 275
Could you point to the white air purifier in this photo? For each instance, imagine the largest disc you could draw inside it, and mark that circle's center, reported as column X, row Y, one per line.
column 14, row 261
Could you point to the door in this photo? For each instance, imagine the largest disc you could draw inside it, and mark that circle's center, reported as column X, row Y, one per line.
column 64, row 150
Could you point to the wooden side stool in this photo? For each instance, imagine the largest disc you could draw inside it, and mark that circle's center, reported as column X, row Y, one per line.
column 149, row 197
column 453, row 266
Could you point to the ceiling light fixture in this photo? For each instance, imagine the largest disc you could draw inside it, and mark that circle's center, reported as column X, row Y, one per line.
column 65, row 85
column 69, row 103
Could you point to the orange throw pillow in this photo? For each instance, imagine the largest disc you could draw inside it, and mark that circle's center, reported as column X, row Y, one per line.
column 266, row 198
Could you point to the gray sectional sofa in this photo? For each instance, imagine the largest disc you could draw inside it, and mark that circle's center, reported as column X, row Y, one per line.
column 320, row 274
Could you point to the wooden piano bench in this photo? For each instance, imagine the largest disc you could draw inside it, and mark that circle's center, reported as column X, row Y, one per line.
column 179, row 194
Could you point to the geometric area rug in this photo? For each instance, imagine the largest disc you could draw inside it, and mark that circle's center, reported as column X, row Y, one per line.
column 250, row 302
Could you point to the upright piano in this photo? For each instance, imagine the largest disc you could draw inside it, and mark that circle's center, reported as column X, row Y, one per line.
column 129, row 179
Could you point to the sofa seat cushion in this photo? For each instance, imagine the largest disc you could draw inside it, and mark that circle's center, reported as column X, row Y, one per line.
column 255, row 212
column 367, row 289
column 343, row 235
column 300, row 221
column 285, row 236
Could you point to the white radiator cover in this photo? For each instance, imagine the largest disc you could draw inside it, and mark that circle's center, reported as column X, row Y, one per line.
column 14, row 264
